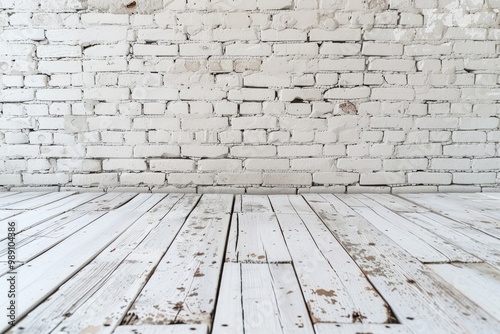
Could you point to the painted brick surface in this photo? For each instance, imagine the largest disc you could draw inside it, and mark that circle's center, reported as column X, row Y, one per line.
column 255, row 95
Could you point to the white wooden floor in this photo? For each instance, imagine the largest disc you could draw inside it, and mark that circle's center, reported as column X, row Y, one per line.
column 155, row 263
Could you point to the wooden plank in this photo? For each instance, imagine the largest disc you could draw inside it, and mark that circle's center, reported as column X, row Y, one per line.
column 476, row 202
column 141, row 202
column 421, row 243
column 19, row 197
column 351, row 199
column 255, row 203
column 108, row 201
column 395, row 203
column 361, row 329
column 457, row 212
column 406, row 240
column 232, row 240
column 29, row 219
column 159, row 329
column 334, row 287
column 272, row 300
column 281, row 204
column 484, row 247
column 7, row 193
column 237, row 203
column 100, row 294
column 4, row 214
column 492, row 195
column 472, row 232
column 260, row 239
column 419, row 300
column 183, row 289
column 37, row 241
column 70, row 202
column 479, row 282
column 229, row 312
column 47, row 272
column 39, row 201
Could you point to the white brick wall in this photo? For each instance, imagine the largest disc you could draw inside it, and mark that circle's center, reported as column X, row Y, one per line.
column 251, row 95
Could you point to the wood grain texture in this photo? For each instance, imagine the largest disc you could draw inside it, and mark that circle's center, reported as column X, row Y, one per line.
column 224, row 264
column 434, row 307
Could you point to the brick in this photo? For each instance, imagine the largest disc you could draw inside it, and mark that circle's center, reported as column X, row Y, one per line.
column 58, row 51
column 274, row 4
column 14, row 123
column 437, row 123
column 469, row 137
column 490, row 164
column 150, row 123
column 345, row 49
column 108, row 65
column 19, row 151
column 101, row 179
column 241, row 49
column 154, row 93
column 339, row 34
column 382, row 178
column 105, row 18
column 299, row 150
column 296, row 179
column 393, row 65
column 258, row 122
column 152, row 35
column 474, row 178
column 304, row 49
column 267, row 164
column 341, row 64
column 264, row 80
column 106, row 94
column 394, row 93
column 469, row 150
column 205, row 123
column 262, row 151
column 405, row 164
column 220, row 165
column 201, row 49
column 190, row 178
column 78, row 165
column 382, row 49
column 247, row 178
column 46, row 179
column 348, row 93
column 17, row 95
column 252, row 94
column 450, row 164
column 155, row 50
column 10, row 179
column 429, row 178
column 325, row 164
column 419, row 150
column 335, row 178
column 202, row 151
column 109, row 152
column 473, row 47
column 349, row 164
column 124, row 164
column 271, row 35
column 156, row 151
column 172, row 165
column 134, row 179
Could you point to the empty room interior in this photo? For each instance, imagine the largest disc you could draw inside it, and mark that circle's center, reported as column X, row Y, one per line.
column 250, row 166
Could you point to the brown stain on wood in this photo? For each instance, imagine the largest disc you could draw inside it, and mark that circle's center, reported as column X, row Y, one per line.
column 323, row 292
